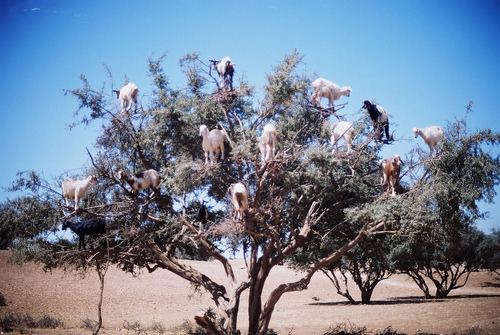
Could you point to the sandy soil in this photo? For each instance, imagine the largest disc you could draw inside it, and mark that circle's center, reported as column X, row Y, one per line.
column 165, row 299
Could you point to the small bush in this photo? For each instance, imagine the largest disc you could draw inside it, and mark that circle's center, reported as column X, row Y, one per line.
column 27, row 321
column 2, row 300
column 346, row 329
column 157, row 328
column 190, row 328
column 48, row 321
column 389, row 331
column 89, row 324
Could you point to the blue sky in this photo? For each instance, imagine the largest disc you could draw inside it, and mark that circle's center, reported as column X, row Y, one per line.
column 421, row 60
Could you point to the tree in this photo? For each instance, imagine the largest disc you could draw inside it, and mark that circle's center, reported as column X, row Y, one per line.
column 367, row 263
column 488, row 252
column 447, row 263
column 431, row 219
column 465, row 173
column 292, row 198
column 26, row 216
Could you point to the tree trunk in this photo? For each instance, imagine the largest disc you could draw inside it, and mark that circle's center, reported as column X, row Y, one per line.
column 101, row 272
column 366, row 296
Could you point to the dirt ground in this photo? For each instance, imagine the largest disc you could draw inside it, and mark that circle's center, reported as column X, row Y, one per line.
column 164, row 299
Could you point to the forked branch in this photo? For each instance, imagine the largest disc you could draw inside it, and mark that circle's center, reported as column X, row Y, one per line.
column 303, row 283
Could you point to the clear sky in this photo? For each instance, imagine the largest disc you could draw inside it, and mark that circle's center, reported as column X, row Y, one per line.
column 421, row 60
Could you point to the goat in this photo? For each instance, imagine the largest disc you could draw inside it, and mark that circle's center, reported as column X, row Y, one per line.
column 239, row 198
column 326, row 89
column 381, row 170
column 89, row 227
column 213, row 142
column 202, row 217
column 127, row 95
column 147, row 179
column 431, row 136
column 225, row 69
column 380, row 120
column 76, row 189
column 392, row 169
column 343, row 129
column 267, row 142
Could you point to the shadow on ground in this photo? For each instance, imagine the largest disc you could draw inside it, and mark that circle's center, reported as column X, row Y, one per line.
column 406, row 300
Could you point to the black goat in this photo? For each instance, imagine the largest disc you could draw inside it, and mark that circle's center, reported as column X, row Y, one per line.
column 380, row 120
column 88, row 227
column 202, row 217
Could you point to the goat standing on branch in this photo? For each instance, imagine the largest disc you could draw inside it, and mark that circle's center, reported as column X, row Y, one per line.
column 127, row 95
column 213, row 142
column 380, row 120
column 225, row 69
column 76, row 189
column 381, row 170
column 326, row 89
column 392, row 170
column 343, row 129
column 239, row 198
column 431, row 135
column 267, row 143
column 148, row 179
column 88, row 227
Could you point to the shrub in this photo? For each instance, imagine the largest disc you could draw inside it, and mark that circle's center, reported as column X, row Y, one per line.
column 2, row 300
column 89, row 324
column 346, row 329
column 11, row 321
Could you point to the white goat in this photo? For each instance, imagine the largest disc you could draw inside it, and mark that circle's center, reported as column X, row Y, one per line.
column 213, row 142
column 324, row 88
column 76, row 189
column 267, row 142
column 239, row 198
column 225, row 69
column 141, row 181
column 127, row 95
column 343, row 129
column 431, row 136
column 381, row 170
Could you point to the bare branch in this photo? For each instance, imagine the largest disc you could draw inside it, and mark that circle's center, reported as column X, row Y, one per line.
column 304, row 281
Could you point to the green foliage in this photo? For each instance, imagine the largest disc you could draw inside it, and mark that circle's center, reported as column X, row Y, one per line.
column 446, row 260
column 488, row 252
column 25, row 217
column 89, row 99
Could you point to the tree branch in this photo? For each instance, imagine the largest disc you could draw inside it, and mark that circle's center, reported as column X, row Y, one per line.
column 304, row 281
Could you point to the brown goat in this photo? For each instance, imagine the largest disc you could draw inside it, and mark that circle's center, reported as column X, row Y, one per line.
column 392, row 169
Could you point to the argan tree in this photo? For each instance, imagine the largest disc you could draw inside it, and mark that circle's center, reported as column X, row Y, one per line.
column 433, row 236
column 304, row 192
column 450, row 247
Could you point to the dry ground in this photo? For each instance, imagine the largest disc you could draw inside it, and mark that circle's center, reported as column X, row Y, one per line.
column 166, row 299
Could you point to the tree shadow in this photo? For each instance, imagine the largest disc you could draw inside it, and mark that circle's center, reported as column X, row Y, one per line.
column 405, row 300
